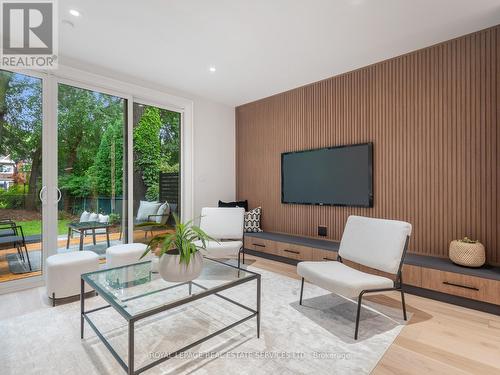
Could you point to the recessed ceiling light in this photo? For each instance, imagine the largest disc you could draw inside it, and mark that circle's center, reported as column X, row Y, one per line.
column 212, row 69
column 74, row 12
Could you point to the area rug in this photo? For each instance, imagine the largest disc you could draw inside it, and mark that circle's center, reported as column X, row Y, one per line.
column 315, row 338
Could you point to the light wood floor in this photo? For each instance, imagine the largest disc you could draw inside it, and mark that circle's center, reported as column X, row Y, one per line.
column 439, row 338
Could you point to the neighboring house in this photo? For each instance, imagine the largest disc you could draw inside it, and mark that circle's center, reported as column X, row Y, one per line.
column 9, row 172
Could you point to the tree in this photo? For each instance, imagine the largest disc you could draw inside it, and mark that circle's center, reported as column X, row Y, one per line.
column 86, row 119
column 170, row 140
column 147, row 150
column 5, row 78
column 83, row 116
column 90, row 139
column 109, row 161
column 22, row 128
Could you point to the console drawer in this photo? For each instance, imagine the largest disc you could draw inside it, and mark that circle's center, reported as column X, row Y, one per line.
column 262, row 245
column 324, row 255
column 471, row 287
column 292, row 251
column 248, row 243
column 412, row 275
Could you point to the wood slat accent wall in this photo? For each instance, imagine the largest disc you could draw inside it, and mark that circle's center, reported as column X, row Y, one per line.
column 433, row 118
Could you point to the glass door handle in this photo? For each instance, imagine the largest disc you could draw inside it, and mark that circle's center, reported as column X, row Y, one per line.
column 59, row 195
column 41, row 195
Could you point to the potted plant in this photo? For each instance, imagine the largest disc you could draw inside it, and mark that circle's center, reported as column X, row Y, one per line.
column 179, row 253
column 467, row 252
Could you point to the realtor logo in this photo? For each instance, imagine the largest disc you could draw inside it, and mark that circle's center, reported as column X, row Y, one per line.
column 29, row 40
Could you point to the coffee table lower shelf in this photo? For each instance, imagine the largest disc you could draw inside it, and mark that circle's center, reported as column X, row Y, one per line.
column 129, row 367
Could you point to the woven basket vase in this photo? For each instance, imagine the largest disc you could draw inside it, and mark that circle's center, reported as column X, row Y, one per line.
column 467, row 254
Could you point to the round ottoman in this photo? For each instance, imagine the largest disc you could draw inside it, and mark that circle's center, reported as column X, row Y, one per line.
column 64, row 270
column 123, row 255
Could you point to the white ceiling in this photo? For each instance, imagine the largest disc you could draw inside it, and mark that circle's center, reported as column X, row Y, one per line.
column 259, row 47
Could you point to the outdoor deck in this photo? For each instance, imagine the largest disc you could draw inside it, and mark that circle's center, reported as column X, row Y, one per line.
column 6, row 275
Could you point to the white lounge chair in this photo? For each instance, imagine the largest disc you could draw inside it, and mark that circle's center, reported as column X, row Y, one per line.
column 375, row 243
column 226, row 226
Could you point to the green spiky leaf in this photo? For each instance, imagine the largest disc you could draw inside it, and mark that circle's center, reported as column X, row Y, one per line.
column 183, row 239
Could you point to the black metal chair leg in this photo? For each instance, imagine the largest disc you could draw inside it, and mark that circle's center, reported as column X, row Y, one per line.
column 404, row 305
column 243, row 255
column 28, row 257
column 239, row 257
column 53, row 300
column 357, row 316
column 301, row 291
column 20, row 252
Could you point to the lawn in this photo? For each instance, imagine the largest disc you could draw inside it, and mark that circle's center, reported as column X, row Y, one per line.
column 35, row 226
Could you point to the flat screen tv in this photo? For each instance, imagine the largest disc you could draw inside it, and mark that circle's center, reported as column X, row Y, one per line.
column 335, row 176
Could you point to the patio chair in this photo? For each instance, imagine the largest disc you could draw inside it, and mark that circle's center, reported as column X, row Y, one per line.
column 6, row 225
column 152, row 217
column 12, row 235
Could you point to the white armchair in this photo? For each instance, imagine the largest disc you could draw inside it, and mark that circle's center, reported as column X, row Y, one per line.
column 375, row 243
column 226, row 226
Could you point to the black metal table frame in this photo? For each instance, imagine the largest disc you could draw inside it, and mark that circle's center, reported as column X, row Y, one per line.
column 129, row 368
column 82, row 232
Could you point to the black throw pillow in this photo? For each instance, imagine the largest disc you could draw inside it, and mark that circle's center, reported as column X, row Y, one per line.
column 243, row 204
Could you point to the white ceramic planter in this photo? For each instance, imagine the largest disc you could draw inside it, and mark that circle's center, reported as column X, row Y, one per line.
column 171, row 270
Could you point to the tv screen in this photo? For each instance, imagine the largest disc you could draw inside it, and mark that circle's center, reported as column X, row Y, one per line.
column 338, row 176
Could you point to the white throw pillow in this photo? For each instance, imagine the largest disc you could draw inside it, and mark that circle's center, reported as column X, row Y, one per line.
column 84, row 217
column 93, row 217
column 147, row 208
column 163, row 210
column 103, row 218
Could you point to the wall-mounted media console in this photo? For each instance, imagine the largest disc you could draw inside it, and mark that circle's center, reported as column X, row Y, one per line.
column 431, row 277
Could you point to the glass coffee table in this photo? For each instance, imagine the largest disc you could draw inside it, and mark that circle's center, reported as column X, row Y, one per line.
column 136, row 293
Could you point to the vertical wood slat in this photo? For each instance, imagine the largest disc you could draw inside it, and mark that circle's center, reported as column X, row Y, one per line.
column 433, row 117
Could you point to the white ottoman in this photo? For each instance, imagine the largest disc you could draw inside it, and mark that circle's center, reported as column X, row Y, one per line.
column 123, row 255
column 64, row 271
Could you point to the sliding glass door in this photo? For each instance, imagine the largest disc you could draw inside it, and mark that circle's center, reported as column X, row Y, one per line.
column 21, row 158
column 92, row 160
column 156, row 170
column 70, row 156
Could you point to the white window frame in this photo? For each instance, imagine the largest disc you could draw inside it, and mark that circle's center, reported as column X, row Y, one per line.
column 132, row 93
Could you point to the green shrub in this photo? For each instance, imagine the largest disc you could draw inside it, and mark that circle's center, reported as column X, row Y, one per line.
column 114, row 218
column 13, row 198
